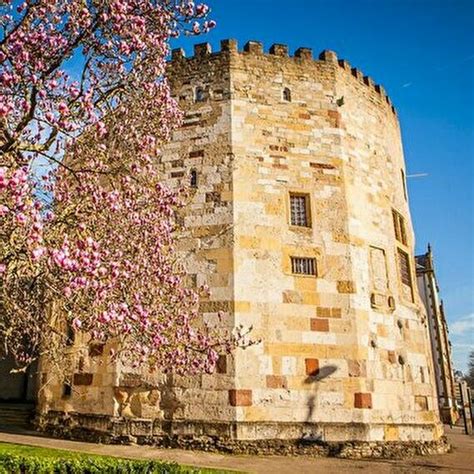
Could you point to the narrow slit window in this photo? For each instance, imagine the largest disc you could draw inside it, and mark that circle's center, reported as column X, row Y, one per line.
column 199, row 94
column 70, row 335
column 303, row 266
column 404, row 184
column 193, row 179
column 67, row 389
column 286, row 94
column 299, row 210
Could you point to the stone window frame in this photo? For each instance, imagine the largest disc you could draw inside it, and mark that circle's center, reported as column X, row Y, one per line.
column 406, row 274
column 380, row 299
column 307, row 211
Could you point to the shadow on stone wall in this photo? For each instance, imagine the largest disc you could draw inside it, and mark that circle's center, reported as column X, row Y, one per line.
column 313, row 380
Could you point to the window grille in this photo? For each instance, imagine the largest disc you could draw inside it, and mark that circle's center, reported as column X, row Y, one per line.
column 404, row 264
column 299, row 205
column 303, row 266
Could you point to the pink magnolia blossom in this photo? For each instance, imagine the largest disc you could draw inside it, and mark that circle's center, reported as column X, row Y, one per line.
column 93, row 237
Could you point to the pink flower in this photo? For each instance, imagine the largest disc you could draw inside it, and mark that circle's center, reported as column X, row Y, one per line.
column 37, row 253
column 63, row 108
column 21, row 218
column 76, row 324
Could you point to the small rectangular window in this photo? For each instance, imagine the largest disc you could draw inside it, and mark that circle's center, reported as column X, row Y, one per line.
column 67, row 389
column 399, row 227
column 404, row 184
column 193, row 180
column 303, row 266
column 299, row 210
column 404, row 264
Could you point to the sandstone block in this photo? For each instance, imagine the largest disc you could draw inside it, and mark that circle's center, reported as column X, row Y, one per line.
column 240, row 398
column 312, row 367
column 83, row 379
column 421, row 402
column 346, row 286
column 321, row 325
column 276, row 381
column 357, row 368
column 362, row 400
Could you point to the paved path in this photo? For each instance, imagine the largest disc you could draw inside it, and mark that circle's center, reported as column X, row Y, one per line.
column 461, row 460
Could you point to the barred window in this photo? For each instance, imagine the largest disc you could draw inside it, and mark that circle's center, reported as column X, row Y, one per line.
column 286, row 94
column 299, row 206
column 399, row 227
column 303, row 266
column 404, row 264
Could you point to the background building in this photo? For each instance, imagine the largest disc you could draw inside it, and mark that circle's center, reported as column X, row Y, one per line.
column 438, row 328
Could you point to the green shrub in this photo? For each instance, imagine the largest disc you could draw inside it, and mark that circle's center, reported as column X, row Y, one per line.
column 33, row 464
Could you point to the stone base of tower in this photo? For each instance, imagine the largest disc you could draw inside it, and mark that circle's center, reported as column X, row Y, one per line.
column 317, row 439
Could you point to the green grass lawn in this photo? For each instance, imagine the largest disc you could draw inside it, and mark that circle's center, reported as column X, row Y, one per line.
column 22, row 459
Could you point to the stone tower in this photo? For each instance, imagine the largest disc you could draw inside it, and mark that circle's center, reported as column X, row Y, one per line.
column 299, row 224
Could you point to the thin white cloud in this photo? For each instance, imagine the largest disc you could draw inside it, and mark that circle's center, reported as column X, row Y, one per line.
column 462, row 326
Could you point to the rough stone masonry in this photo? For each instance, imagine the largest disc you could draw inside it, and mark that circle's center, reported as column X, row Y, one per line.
column 300, row 225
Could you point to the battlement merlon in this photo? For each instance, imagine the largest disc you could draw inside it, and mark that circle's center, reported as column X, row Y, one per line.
column 302, row 54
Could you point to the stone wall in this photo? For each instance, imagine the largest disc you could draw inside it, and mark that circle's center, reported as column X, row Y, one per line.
column 344, row 353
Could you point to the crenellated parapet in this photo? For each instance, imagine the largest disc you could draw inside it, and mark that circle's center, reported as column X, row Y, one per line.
column 301, row 55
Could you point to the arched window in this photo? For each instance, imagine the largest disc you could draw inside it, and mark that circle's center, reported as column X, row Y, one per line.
column 286, row 94
column 193, row 181
column 199, row 95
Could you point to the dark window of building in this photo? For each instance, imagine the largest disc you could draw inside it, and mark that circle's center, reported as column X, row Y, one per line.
column 69, row 334
column 303, row 266
column 67, row 389
column 193, row 180
column 286, row 94
column 404, row 265
column 399, row 227
column 404, row 184
column 199, row 94
column 299, row 210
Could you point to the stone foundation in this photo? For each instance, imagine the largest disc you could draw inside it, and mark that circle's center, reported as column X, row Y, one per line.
column 312, row 439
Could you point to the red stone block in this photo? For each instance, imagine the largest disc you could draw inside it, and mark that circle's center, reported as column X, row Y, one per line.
column 363, row 400
column 312, row 366
column 240, row 398
column 321, row 325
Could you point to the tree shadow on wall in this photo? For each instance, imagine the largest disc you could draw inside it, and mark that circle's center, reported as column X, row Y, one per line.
column 314, row 380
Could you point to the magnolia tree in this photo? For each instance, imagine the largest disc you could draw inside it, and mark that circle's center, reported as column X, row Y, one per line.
column 86, row 227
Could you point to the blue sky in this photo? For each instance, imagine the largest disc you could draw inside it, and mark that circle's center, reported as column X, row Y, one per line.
column 422, row 51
